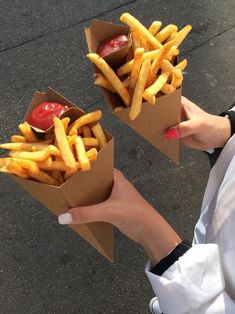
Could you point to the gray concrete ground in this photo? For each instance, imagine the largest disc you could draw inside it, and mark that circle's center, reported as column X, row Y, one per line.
column 46, row 268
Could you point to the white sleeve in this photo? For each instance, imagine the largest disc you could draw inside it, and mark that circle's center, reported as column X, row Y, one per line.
column 194, row 284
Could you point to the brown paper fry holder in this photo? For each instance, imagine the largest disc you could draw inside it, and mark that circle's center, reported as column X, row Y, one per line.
column 83, row 188
column 153, row 120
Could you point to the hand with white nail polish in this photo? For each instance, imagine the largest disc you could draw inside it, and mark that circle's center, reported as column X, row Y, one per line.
column 199, row 129
column 132, row 215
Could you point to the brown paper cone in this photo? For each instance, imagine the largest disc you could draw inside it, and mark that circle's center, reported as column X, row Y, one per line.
column 84, row 188
column 153, row 120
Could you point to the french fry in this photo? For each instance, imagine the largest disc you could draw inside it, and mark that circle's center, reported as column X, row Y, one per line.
column 18, row 139
column 86, row 131
column 27, row 164
column 54, row 166
column 150, row 92
column 99, row 134
column 111, row 76
column 85, row 119
column 138, row 57
column 177, row 78
column 30, row 147
column 103, row 82
column 63, row 144
column 90, row 141
column 81, row 154
column 16, row 169
column 181, row 35
column 135, row 40
column 65, row 121
column 133, row 23
column 118, row 108
column 168, row 89
column 154, row 27
column 172, row 36
column 139, row 89
column 43, row 178
column 166, row 32
column 27, row 132
column 182, row 65
column 157, row 63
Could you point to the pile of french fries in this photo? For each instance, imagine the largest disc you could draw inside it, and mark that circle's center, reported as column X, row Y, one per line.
column 151, row 66
column 61, row 154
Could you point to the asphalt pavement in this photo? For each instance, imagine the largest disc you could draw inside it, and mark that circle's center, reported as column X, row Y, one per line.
column 46, row 268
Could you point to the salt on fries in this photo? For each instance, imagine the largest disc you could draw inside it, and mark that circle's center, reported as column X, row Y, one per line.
column 69, row 149
column 153, row 69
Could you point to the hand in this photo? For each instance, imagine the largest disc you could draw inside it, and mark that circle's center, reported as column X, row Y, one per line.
column 200, row 130
column 132, row 215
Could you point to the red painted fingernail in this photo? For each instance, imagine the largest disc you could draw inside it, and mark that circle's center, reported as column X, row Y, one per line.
column 172, row 133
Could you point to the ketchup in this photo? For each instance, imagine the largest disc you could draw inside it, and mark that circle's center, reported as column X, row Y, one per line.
column 112, row 44
column 42, row 116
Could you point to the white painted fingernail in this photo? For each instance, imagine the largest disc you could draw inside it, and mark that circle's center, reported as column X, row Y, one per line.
column 65, row 219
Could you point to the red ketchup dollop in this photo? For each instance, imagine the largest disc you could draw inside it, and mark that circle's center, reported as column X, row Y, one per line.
column 112, row 44
column 42, row 116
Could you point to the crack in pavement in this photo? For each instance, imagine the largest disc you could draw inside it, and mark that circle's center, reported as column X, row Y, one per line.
column 66, row 27
column 208, row 40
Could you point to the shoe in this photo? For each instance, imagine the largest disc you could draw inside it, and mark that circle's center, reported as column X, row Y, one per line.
column 154, row 306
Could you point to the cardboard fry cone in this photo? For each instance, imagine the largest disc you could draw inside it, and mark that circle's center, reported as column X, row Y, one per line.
column 83, row 188
column 153, row 120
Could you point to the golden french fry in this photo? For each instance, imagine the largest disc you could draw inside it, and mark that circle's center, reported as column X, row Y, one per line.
column 182, row 65
column 103, row 82
column 86, row 131
column 154, row 27
column 34, row 156
column 133, row 23
column 85, row 119
column 27, row 164
column 126, row 82
column 172, row 36
column 139, row 89
column 4, row 169
column 30, row 147
column 127, row 67
column 166, row 32
column 99, row 134
column 81, row 154
column 174, row 51
column 63, row 144
column 167, row 66
column 111, row 76
column 181, row 35
column 65, row 121
column 27, row 132
column 90, row 141
column 55, row 165
column 168, row 89
column 16, row 169
column 150, row 92
column 138, row 57
column 18, row 139
column 92, row 154
column 157, row 63
column 43, row 178
column 118, row 108
column 135, row 40
column 177, row 78
column 144, row 44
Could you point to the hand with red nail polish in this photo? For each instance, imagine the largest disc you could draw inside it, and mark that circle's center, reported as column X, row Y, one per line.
column 199, row 129
column 132, row 215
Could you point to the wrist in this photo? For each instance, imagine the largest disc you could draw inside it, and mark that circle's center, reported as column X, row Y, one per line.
column 158, row 239
column 223, row 131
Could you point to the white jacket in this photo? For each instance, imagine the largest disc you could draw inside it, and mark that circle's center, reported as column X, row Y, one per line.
column 202, row 281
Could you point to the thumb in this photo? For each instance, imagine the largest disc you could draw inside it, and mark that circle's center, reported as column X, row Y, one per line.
column 181, row 130
column 86, row 214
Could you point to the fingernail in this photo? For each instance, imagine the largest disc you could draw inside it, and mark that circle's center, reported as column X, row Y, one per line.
column 65, row 219
column 172, row 133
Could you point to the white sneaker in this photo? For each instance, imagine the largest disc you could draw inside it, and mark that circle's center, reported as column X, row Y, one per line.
column 154, row 306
